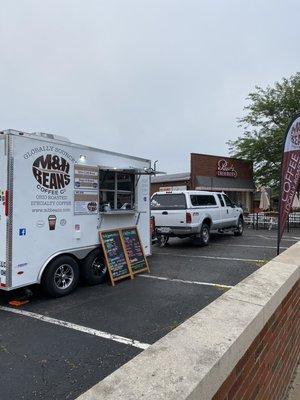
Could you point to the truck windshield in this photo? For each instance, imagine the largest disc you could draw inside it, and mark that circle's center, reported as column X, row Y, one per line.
column 168, row 202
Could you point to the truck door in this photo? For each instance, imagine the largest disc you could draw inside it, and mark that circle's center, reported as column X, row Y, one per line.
column 224, row 212
column 3, row 217
column 230, row 211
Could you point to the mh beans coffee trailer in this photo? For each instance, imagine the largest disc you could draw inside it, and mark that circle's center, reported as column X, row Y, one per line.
column 56, row 196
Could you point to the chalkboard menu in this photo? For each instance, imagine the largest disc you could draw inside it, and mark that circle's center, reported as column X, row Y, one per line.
column 115, row 256
column 134, row 250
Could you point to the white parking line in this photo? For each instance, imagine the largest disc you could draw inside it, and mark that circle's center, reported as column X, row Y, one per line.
column 248, row 245
column 90, row 331
column 162, row 278
column 209, row 257
column 289, row 239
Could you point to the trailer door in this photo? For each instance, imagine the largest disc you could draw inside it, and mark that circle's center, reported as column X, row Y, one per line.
column 3, row 209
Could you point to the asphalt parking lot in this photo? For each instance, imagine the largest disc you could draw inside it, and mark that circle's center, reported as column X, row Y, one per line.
column 59, row 348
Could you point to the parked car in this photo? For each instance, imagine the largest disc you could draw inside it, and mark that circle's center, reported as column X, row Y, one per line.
column 194, row 214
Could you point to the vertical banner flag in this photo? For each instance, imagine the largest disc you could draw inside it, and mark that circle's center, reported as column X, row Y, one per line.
column 290, row 174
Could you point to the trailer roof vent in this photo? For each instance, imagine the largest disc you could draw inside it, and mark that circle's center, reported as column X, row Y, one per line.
column 51, row 136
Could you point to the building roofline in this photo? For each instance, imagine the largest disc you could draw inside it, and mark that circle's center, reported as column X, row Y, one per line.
column 215, row 155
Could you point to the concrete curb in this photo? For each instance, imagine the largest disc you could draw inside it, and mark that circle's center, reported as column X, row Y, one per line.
column 294, row 389
column 193, row 360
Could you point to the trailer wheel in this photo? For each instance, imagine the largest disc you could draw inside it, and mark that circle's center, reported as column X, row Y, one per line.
column 93, row 268
column 61, row 276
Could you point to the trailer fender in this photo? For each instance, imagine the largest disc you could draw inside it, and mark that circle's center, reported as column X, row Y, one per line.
column 79, row 253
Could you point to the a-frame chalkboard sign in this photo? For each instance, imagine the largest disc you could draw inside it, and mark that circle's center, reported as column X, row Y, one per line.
column 134, row 250
column 115, row 257
column 123, row 252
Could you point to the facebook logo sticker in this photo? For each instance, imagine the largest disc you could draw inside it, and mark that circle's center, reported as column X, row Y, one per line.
column 22, row 232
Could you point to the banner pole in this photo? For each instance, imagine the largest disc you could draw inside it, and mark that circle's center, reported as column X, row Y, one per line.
column 280, row 193
column 278, row 221
column 280, row 189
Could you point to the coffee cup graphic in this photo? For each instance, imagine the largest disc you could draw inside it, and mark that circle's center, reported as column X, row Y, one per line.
column 52, row 222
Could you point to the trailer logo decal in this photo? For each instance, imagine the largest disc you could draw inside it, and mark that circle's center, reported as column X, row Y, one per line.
column 92, row 206
column 51, row 171
column 22, row 232
column 52, row 222
column 40, row 223
column 22, row 265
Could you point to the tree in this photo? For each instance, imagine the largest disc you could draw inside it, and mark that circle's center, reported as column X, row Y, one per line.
column 267, row 116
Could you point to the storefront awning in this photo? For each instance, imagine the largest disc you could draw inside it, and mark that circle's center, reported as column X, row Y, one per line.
column 224, row 184
column 186, row 176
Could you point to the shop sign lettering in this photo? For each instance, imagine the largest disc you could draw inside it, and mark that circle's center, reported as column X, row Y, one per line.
column 225, row 169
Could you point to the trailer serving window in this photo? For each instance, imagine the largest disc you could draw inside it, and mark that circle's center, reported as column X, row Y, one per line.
column 117, row 191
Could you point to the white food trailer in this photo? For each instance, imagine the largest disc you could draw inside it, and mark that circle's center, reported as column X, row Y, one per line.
column 55, row 197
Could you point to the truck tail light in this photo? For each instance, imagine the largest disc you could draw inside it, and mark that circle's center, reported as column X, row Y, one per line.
column 152, row 225
column 188, row 218
column 6, row 201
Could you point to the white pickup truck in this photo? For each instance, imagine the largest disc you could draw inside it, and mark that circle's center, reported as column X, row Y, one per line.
column 195, row 214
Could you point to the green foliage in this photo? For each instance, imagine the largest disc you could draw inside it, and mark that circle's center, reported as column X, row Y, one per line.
column 267, row 116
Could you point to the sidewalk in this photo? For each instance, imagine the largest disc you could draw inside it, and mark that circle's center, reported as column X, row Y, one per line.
column 294, row 392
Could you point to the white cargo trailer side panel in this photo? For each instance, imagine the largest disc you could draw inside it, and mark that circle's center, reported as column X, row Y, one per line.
column 3, row 218
column 44, row 223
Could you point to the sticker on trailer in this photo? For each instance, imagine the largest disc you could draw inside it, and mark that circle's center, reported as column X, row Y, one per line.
column 40, row 223
column 2, row 273
column 22, row 232
column 63, row 222
column 85, row 203
column 86, row 177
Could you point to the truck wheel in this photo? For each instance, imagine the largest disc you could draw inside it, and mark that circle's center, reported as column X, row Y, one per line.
column 203, row 238
column 204, row 235
column 61, row 276
column 93, row 269
column 240, row 228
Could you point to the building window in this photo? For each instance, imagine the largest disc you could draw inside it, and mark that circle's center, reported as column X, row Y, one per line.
column 203, row 200
column 117, row 191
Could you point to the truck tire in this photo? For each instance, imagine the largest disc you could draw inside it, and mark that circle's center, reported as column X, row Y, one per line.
column 203, row 238
column 240, row 228
column 162, row 240
column 61, row 276
column 93, row 269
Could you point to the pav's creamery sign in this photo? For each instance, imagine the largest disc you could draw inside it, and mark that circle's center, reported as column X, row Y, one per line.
column 225, row 169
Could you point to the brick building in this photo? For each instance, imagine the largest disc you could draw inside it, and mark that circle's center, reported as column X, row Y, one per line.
column 214, row 173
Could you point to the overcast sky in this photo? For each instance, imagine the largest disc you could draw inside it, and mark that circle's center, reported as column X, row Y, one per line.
column 153, row 78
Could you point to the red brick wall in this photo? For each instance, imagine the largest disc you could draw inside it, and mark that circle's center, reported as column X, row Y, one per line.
column 265, row 370
column 206, row 165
